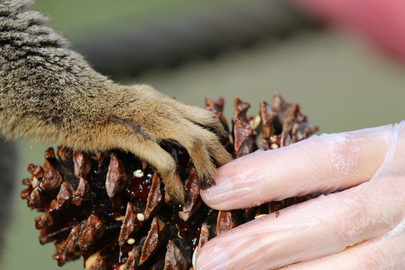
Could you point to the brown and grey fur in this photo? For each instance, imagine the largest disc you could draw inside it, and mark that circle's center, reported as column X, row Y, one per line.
column 50, row 94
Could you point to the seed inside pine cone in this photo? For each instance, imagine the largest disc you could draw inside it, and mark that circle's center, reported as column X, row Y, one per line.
column 112, row 209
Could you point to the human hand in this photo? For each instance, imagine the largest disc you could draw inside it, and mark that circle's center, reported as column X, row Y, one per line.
column 362, row 226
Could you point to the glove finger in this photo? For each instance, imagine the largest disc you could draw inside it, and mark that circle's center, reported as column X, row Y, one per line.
column 319, row 164
column 383, row 252
column 310, row 230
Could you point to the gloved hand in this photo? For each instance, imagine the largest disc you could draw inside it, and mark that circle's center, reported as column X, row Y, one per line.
column 360, row 226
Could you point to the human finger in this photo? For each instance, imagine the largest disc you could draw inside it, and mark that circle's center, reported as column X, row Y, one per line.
column 383, row 252
column 319, row 164
column 313, row 229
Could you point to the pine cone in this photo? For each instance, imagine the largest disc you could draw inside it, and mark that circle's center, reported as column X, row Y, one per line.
column 113, row 210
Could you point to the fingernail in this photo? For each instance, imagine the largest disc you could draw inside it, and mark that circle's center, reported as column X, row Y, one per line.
column 229, row 193
column 218, row 196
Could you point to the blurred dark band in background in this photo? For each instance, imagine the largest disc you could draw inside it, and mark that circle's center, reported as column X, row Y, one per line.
column 171, row 41
column 8, row 180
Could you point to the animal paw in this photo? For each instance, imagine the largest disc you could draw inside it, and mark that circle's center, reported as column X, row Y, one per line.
column 145, row 118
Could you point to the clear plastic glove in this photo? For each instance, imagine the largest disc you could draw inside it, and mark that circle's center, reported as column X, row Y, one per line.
column 360, row 227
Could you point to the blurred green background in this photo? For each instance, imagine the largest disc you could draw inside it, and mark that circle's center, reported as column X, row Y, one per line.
column 341, row 82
